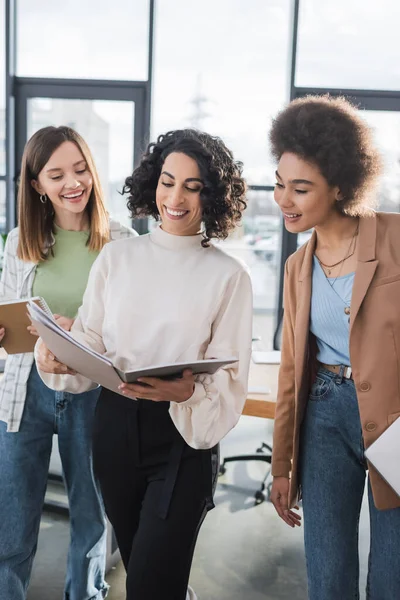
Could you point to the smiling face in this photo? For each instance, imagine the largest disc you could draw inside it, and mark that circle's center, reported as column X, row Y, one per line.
column 178, row 195
column 66, row 181
column 303, row 194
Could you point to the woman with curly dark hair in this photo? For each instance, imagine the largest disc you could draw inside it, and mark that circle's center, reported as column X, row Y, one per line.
column 338, row 382
column 170, row 296
column 222, row 194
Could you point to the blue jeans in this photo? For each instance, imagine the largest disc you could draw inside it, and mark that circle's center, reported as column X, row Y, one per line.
column 333, row 471
column 24, row 465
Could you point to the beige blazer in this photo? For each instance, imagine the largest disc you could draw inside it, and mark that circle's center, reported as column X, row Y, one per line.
column 374, row 347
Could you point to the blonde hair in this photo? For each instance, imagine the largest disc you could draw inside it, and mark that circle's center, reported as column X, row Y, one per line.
column 35, row 219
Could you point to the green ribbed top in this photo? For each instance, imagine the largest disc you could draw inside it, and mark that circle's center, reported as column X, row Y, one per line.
column 61, row 279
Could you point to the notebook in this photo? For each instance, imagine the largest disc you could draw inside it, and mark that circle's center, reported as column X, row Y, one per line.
column 384, row 454
column 14, row 318
column 99, row 368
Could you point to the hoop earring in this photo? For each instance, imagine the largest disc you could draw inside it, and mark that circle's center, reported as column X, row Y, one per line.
column 43, row 198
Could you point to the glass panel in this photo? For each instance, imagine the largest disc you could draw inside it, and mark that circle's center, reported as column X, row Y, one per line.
column 257, row 242
column 3, row 354
column 386, row 126
column 227, row 75
column 92, row 40
column 2, row 90
column 2, row 209
column 108, row 129
column 348, row 44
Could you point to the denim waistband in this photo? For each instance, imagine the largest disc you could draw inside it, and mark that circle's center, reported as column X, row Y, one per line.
column 328, row 375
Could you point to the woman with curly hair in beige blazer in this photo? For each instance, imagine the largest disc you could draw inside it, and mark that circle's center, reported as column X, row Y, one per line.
column 339, row 377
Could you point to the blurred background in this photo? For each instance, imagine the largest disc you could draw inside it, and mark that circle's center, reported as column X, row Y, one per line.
column 122, row 72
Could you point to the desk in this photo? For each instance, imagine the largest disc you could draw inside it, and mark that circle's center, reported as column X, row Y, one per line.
column 262, row 405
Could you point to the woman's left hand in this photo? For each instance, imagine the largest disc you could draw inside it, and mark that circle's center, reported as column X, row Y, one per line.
column 161, row 390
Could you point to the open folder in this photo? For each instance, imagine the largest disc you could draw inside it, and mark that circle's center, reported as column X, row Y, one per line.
column 99, row 368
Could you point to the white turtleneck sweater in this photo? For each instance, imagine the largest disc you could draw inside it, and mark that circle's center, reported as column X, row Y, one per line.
column 161, row 298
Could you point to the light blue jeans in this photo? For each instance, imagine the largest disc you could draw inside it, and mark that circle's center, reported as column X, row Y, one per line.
column 24, row 464
column 333, row 478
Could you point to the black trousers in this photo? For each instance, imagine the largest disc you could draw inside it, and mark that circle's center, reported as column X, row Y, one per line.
column 156, row 492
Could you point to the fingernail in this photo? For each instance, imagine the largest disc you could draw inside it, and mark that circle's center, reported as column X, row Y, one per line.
column 64, row 368
column 286, row 512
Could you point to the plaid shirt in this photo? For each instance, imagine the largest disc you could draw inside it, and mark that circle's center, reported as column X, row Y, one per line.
column 16, row 282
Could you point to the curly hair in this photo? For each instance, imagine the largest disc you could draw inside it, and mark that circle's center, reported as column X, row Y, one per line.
column 330, row 133
column 224, row 191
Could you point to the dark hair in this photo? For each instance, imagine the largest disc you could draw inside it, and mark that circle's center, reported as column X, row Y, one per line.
column 223, row 194
column 35, row 219
column 331, row 134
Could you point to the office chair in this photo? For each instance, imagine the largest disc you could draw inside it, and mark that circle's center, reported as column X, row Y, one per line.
column 262, row 454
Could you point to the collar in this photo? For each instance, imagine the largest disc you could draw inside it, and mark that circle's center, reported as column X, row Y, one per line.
column 175, row 242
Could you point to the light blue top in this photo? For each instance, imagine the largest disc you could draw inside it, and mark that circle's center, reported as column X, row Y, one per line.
column 328, row 321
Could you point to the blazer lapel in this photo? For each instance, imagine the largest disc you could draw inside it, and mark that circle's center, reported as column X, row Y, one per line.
column 366, row 265
column 303, row 311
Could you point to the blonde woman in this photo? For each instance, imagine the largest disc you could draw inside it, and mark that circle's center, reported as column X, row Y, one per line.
column 63, row 225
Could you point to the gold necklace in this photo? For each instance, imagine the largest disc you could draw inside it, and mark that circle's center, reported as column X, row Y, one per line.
column 347, row 256
column 347, row 309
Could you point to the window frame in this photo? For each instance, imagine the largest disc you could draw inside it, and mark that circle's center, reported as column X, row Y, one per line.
column 19, row 89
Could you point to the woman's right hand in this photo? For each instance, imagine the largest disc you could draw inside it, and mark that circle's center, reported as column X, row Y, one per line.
column 2, row 333
column 47, row 362
column 280, row 500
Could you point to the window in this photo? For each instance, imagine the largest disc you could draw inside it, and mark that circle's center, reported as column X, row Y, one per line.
column 223, row 69
column 2, row 208
column 257, row 242
column 92, row 40
column 2, row 90
column 386, row 127
column 348, row 44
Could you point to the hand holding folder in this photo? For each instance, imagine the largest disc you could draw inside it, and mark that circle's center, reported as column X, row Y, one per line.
column 100, row 369
column 15, row 320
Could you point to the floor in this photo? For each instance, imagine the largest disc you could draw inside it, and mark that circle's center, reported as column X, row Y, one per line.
column 243, row 551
